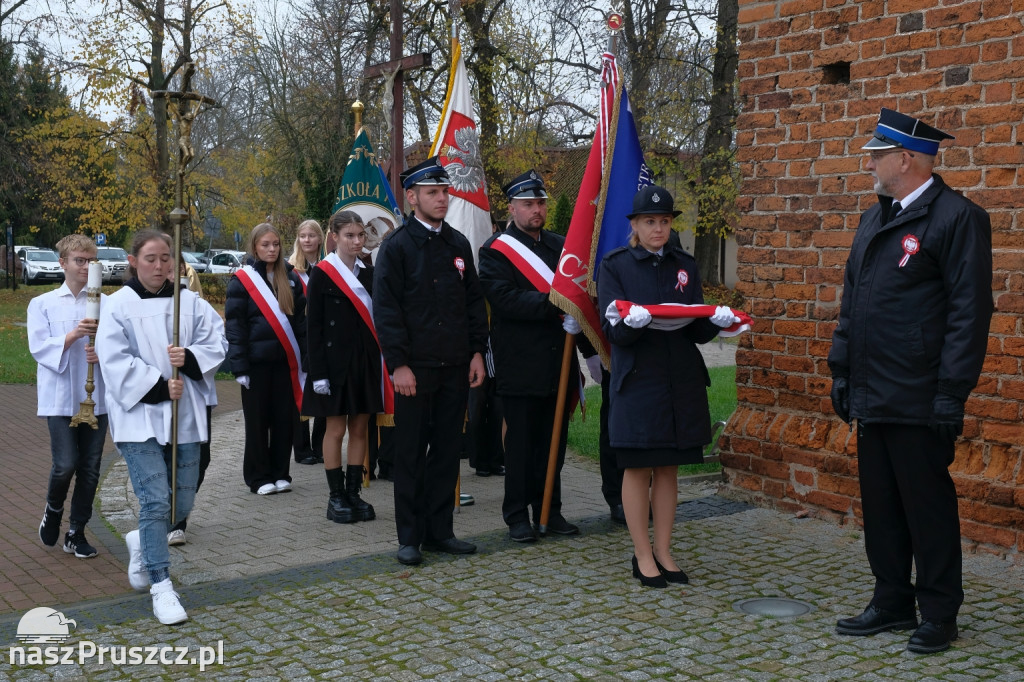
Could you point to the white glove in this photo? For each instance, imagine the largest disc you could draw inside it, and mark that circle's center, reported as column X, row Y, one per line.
column 243, row 380
column 594, row 365
column 570, row 325
column 723, row 317
column 322, row 386
column 638, row 317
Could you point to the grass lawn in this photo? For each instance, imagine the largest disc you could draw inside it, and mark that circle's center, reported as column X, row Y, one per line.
column 584, row 435
column 16, row 363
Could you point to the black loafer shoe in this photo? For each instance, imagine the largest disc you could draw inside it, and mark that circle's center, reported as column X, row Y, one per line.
column 483, row 473
column 559, row 526
column 498, row 470
column 875, row 620
column 933, row 637
column 618, row 514
column 522, row 532
column 409, row 555
column 451, row 545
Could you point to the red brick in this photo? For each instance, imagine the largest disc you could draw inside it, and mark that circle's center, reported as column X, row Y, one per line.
column 958, row 15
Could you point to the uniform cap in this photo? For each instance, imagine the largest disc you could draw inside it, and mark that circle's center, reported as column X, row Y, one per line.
column 529, row 185
column 430, row 172
column 652, row 200
column 899, row 131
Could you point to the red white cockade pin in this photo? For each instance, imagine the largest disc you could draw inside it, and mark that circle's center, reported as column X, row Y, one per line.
column 460, row 265
column 681, row 279
column 910, row 246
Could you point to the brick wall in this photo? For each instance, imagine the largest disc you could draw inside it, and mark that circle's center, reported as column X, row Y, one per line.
column 813, row 75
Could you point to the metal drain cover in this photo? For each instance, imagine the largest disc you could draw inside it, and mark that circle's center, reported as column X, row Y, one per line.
column 778, row 607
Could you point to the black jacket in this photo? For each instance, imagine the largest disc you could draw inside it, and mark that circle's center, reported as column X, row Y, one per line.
column 427, row 311
column 659, row 381
column 337, row 336
column 251, row 339
column 907, row 333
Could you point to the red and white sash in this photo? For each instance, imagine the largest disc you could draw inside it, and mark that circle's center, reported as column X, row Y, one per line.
column 350, row 285
column 304, row 278
column 525, row 261
column 539, row 275
column 670, row 316
column 266, row 301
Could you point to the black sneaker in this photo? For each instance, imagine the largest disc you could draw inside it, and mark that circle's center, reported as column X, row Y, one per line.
column 75, row 543
column 49, row 527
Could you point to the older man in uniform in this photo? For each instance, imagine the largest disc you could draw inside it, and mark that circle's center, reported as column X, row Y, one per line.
column 527, row 337
column 908, row 350
column 432, row 324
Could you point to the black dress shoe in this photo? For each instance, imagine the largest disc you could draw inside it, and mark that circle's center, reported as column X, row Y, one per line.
column 618, row 514
column 482, row 472
column 498, row 470
column 306, row 457
column 875, row 620
column 451, row 545
column 933, row 637
column 678, row 577
column 648, row 581
column 559, row 526
column 522, row 532
column 409, row 555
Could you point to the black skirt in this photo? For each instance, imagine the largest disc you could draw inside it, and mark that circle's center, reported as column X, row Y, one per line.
column 644, row 458
column 360, row 394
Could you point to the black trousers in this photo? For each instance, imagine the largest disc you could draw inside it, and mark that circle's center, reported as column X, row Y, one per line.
column 483, row 428
column 910, row 514
column 527, row 443
column 611, row 474
column 269, row 410
column 427, row 443
column 301, row 439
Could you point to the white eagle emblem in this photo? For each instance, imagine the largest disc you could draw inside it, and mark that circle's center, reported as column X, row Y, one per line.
column 465, row 167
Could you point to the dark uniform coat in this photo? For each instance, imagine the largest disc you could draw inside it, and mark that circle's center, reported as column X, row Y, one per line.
column 659, row 380
column 342, row 349
column 907, row 333
column 427, row 311
column 251, row 339
column 526, row 328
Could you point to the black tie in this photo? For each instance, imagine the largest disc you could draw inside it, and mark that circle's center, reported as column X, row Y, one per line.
column 894, row 210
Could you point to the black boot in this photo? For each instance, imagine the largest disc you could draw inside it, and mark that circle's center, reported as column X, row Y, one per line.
column 338, row 508
column 361, row 510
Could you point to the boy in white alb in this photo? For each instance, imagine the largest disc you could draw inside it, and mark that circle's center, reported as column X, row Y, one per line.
column 58, row 337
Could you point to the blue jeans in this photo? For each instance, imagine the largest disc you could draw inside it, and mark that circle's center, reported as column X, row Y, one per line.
column 149, row 466
column 76, row 453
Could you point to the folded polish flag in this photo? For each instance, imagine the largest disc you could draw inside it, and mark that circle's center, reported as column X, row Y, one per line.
column 670, row 316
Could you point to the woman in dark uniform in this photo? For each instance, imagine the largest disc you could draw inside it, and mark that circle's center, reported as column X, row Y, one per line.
column 659, row 414
column 344, row 381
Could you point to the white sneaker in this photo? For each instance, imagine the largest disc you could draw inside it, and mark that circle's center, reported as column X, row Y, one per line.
column 166, row 606
column 138, row 576
column 175, row 538
column 283, row 486
column 266, row 489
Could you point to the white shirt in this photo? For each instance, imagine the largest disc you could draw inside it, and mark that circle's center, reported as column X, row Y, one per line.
column 912, row 197
column 61, row 374
column 132, row 346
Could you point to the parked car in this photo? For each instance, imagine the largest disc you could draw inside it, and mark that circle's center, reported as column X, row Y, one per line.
column 114, row 260
column 208, row 255
column 226, row 261
column 40, row 265
column 193, row 260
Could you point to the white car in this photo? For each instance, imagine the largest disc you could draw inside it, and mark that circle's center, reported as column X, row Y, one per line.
column 226, row 262
column 40, row 265
column 114, row 260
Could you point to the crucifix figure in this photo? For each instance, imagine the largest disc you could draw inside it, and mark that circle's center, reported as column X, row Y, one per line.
column 394, row 72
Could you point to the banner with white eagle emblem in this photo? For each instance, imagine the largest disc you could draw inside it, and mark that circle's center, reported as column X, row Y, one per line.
column 457, row 146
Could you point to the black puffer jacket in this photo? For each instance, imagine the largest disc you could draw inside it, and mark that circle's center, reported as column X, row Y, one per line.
column 907, row 333
column 428, row 311
column 251, row 339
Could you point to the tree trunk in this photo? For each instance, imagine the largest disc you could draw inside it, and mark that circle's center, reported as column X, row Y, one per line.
column 716, row 159
column 158, row 81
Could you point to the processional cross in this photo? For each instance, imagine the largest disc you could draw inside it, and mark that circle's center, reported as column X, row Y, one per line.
column 394, row 71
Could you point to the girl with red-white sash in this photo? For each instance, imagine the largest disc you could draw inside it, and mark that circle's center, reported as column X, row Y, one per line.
column 307, row 251
column 346, row 381
column 265, row 321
